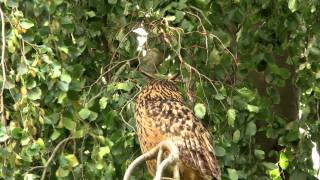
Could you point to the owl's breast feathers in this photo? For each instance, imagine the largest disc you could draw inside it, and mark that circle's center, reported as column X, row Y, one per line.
column 161, row 114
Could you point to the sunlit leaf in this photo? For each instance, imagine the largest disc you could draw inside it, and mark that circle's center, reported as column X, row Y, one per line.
column 252, row 108
column 251, row 129
column 127, row 86
column 200, row 110
column 26, row 24
column 40, row 143
column 292, row 5
column 72, row 159
column 103, row 102
column 93, row 116
column 34, row 93
column 103, row 151
column 247, row 93
column 65, row 77
column 3, row 134
column 275, row 174
column 69, row 124
column 283, row 161
column 233, row 175
column 84, row 113
column 55, row 135
column 62, row 172
column 231, row 115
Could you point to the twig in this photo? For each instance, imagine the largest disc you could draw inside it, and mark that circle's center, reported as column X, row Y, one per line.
column 81, row 157
column 122, row 108
column 194, row 69
column 33, row 168
column 202, row 14
column 205, row 35
column 53, row 155
column 107, row 71
column 3, row 120
column 171, row 159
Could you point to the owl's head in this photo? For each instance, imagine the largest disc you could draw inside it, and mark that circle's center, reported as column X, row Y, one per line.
column 161, row 90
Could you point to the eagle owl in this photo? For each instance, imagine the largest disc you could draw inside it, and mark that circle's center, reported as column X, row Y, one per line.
column 161, row 114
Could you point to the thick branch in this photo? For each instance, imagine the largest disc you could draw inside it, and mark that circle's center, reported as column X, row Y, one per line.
column 158, row 150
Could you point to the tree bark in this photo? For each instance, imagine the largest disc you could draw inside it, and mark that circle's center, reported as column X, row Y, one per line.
column 287, row 108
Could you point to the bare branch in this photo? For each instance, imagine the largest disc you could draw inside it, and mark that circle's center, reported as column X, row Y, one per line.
column 172, row 159
column 3, row 120
column 53, row 155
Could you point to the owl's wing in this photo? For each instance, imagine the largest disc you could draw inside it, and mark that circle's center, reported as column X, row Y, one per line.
column 176, row 120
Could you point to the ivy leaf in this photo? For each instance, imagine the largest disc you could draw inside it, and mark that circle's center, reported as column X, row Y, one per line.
column 103, row 102
column 72, row 160
column 90, row 14
column 236, row 136
column 3, row 134
column 79, row 134
column 55, row 135
column 283, row 161
column 65, row 77
column 214, row 56
column 275, row 174
column 40, row 143
column 233, row 175
column 112, row 1
column 252, row 108
column 22, row 69
column 34, row 93
column 26, row 24
column 298, row 175
column 69, row 124
column 64, row 49
column 30, row 177
column 293, row 135
column 126, row 86
column 200, row 110
column 220, row 151
column 56, row 71
column 219, row 97
column 251, row 129
column 63, row 86
column 61, row 172
column 259, row 153
column 103, row 151
column 84, row 113
column 231, row 115
column 93, row 116
column 292, row 5
column 270, row 166
column 246, row 93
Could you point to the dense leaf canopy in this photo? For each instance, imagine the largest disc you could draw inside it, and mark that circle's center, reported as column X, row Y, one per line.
column 70, row 75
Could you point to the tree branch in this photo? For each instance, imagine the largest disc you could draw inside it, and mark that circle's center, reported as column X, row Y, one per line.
column 173, row 158
column 3, row 120
column 53, row 155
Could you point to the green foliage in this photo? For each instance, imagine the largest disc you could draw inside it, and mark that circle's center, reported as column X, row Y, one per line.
column 72, row 71
column 200, row 110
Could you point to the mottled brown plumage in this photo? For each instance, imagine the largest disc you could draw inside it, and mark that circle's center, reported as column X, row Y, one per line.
column 161, row 115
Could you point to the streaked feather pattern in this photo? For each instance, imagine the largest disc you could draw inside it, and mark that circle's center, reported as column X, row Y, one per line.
column 161, row 114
